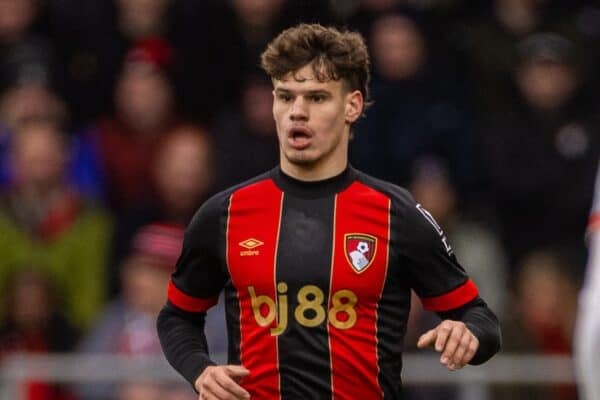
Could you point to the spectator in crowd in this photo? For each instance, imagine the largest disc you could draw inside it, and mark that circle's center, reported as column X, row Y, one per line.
column 33, row 322
column 542, row 150
column 29, row 99
column 183, row 176
column 27, row 73
column 122, row 147
column 127, row 325
column 92, row 39
column 543, row 317
column 246, row 140
column 22, row 101
column 183, row 173
column 22, row 45
column 416, row 110
column 43, row 221
column 140, row 19
column 490, row 41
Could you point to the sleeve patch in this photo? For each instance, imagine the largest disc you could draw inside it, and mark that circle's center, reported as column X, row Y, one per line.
column 437, row 228
column 189, row 303
column 453, row 299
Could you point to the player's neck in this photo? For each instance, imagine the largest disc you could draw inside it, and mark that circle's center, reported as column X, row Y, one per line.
column 314, row 172
column 313, row 189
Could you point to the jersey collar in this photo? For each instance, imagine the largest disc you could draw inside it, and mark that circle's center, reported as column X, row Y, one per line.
column 313, row 189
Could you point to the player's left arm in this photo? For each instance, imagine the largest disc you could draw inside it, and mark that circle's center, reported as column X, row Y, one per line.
column 469, row 332
column 467, row 335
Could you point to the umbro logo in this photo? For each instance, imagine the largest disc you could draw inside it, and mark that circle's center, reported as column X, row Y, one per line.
column 250, row 245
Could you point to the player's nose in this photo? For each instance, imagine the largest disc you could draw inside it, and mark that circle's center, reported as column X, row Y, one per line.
column 298, row 109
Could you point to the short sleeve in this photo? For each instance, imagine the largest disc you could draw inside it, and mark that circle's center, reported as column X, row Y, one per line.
column 433, row 271
column 200, row 273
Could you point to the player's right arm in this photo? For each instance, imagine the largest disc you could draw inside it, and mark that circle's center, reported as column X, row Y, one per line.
column 194, row 288
column 221, row 382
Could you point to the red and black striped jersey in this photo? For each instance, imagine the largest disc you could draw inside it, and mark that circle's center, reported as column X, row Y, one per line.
column 317, row 278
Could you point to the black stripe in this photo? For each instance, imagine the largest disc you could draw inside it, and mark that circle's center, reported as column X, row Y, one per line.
column 232, row 304
column 232, row 312
column 304, row 258
column 392, row 316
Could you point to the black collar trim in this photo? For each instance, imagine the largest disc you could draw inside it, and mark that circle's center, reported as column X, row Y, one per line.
column 313, row 189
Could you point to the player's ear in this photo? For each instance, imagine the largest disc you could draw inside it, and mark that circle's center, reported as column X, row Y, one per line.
column 354, row 106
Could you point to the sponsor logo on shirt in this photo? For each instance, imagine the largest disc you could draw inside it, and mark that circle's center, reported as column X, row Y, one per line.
column 250, row 245
column 312, row 310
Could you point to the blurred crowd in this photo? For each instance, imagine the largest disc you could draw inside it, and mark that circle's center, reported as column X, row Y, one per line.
column 118, row 118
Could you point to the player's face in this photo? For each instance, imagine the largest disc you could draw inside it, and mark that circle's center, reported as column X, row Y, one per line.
column 313, row 121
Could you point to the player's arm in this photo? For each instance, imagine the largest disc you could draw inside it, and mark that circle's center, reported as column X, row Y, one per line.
column 184, row 345
column 467, row 335
column 193, row 289
column 183, row 341
column 469, row 332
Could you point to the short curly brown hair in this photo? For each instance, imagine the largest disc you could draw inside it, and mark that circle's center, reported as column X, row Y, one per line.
column 333, row 54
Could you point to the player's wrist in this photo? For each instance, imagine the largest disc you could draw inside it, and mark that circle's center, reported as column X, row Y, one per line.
column 202, row 376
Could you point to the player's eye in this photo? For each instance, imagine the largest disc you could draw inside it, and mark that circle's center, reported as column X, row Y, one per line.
column 317, row 98
column 284, row 97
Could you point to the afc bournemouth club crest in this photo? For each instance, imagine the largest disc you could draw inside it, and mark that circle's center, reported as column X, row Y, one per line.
column 360, row 250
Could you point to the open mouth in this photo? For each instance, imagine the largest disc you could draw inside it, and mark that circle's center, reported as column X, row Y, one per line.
column 299, row 137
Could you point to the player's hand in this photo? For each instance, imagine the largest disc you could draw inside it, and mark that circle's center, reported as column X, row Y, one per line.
column 454, row 340
column 221, row 382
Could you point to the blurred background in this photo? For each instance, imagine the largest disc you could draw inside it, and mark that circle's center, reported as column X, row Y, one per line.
column 119, row 118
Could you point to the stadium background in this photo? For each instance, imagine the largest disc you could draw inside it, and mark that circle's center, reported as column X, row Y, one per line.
column 118, row 118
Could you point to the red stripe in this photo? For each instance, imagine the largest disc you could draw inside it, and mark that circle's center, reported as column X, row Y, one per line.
column 455, row 298
column 254, row 213
column 594, row 222
column 189, row 303
column 360, row 210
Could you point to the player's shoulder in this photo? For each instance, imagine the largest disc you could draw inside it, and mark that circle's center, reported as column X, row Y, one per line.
column 408, row 214
column 399, row 196
column 413, row 223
